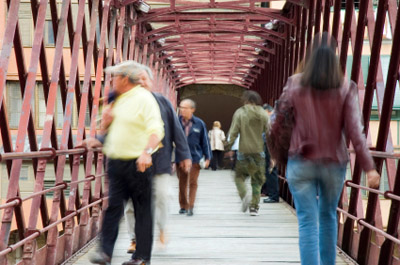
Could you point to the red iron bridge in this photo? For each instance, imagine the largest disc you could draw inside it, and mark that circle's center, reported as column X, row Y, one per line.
column 53, row 53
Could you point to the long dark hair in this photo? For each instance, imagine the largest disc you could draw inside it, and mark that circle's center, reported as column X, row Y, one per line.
column 322, row 69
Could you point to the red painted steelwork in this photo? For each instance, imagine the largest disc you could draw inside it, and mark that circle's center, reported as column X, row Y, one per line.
column 215, row 33
column 74, row 217
column 284, row 47
column 364, row 237
column 183, row 43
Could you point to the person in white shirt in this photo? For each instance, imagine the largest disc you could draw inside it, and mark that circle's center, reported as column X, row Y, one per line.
column 233, row 152
column 217, row 138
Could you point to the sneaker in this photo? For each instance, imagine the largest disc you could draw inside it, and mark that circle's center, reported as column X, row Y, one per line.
column 100, row 258
column 132, row 247
column 245, row 203
column 182, row 211
column 190, row 212
column 253, row 211
column 269, row 200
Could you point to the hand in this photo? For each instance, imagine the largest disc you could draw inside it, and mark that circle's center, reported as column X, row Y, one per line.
column 186, row 165
column 227, row 147
column 229, row 154
column 373, row 179
column 106, row 118
column 272, row 163
column 91, row 143
column 206, row 163
column 173, row 168
column 143, row 162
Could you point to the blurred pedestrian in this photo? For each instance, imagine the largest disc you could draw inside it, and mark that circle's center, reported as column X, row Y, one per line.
column 134, row 131
column 250, row 121
column 271, row 185
column 325, row 109
column 196, row 133
column 217, row 138
column 162, row 165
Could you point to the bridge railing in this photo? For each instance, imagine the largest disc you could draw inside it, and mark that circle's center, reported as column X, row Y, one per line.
column 51, row 83
column 64, row 230
column 52, row 89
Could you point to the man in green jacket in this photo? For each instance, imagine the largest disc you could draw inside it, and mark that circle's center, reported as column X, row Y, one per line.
column 250, row 121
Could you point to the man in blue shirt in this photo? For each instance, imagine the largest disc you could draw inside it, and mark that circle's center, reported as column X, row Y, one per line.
column 196, row 133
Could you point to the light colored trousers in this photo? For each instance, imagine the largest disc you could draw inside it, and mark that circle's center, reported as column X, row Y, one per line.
column 161, row 195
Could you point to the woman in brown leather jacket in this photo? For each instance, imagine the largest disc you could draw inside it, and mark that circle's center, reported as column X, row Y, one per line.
column 325, row 113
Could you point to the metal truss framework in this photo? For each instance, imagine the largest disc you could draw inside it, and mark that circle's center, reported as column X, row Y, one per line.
column 362, row 233
column 184, row 43
column 215, row 42
column 97, row 35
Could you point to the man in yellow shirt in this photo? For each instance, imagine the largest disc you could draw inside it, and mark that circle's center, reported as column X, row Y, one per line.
column 134, row 131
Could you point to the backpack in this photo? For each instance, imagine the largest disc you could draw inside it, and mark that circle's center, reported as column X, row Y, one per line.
column 280, row 133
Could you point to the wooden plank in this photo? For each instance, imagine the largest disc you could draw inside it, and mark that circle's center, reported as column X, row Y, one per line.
column 219, row 233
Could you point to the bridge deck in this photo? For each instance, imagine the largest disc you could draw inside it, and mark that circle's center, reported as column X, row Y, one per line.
column 219, row 233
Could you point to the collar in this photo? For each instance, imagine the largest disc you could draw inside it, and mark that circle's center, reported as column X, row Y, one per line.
column 131, row 92
column 191, row 119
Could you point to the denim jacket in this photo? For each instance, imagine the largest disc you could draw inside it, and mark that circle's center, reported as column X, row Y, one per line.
column 198, row 140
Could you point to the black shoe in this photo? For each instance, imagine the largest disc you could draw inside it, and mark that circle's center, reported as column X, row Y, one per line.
column 269, row 200
column 182, row 211
column 190, row 212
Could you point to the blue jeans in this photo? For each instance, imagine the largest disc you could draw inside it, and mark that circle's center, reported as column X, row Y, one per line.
column 316, row 189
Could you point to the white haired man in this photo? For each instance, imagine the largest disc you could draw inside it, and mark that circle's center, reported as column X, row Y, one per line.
column 134, row 131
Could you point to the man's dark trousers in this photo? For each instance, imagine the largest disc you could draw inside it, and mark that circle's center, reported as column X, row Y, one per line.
column 271, row 185
column 126, row 182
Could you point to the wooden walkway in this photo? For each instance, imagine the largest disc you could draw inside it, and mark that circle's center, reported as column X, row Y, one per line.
column 219, row 233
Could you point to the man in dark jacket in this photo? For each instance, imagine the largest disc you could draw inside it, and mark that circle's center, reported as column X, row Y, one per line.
column 196, row 133
column 162, row 163
column 162, row 168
